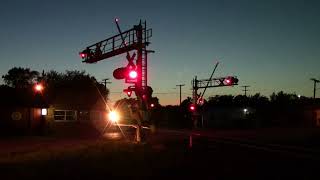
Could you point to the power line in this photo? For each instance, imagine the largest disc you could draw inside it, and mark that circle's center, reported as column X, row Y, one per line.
column 160, row 93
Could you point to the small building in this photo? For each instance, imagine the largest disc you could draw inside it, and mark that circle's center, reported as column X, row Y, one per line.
column 20, row 120
column 20, row 112
column 312, row 116
column 66, row 112
column 75, row 112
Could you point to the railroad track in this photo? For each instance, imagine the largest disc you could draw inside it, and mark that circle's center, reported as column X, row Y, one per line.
column 211, row 143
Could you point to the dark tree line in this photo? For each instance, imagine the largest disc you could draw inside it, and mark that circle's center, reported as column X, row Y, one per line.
column 257, row 100
column 280, row 109
column 19, row 82
column 19, row 77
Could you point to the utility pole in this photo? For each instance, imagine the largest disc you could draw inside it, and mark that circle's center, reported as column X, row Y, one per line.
column 315, row 81
column 180, row 85
column 105, row 82
column 245, row 90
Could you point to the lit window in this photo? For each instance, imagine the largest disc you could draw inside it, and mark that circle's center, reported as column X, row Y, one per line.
column 44, row 112
column 65, row 115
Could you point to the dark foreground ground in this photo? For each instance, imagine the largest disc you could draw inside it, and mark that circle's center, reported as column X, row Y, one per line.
column 290, row 154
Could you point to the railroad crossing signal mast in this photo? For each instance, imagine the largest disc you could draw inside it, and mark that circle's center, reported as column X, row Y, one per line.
column 135, row 73
column 204, row 84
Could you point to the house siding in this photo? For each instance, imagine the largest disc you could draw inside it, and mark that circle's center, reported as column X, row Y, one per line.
column 93, row 120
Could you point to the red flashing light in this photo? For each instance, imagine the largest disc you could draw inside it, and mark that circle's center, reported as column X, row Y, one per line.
column 133, row 74
column 128, row 92
column 192, row 107
column 83, row 55
column 128, row 73
column 228, row 81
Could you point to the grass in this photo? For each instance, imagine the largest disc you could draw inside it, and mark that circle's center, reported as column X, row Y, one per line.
column 101, row 158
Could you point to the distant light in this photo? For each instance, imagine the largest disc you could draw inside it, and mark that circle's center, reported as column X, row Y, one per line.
column 113, row 116
column 152, row 105
column 299, row 96
column 44, row 111
column 116, row 19
column 201, row 101
column 245, row 110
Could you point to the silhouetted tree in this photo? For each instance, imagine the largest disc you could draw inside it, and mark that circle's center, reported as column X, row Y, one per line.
column 185, row 103
column 282, row 98
column 73, row 80
column 241, row 100
column 19, row 77
column 258, row 100
column 224, row 100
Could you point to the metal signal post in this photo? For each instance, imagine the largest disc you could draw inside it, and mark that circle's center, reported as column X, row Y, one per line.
column 210, row 83
column 134, row 39
column 204, row 84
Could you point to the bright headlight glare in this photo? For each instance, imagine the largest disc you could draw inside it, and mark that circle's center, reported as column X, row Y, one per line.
column 113, row 116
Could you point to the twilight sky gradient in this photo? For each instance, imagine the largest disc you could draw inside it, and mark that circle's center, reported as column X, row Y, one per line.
column 271, row 45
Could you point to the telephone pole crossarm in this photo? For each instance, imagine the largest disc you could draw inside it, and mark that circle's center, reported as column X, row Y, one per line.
column 245, row 90
column 315, row 81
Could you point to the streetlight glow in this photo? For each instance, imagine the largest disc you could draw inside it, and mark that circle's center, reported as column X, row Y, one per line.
column 38, row 87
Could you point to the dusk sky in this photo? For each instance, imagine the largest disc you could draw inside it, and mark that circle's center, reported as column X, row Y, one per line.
column 271, row 45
